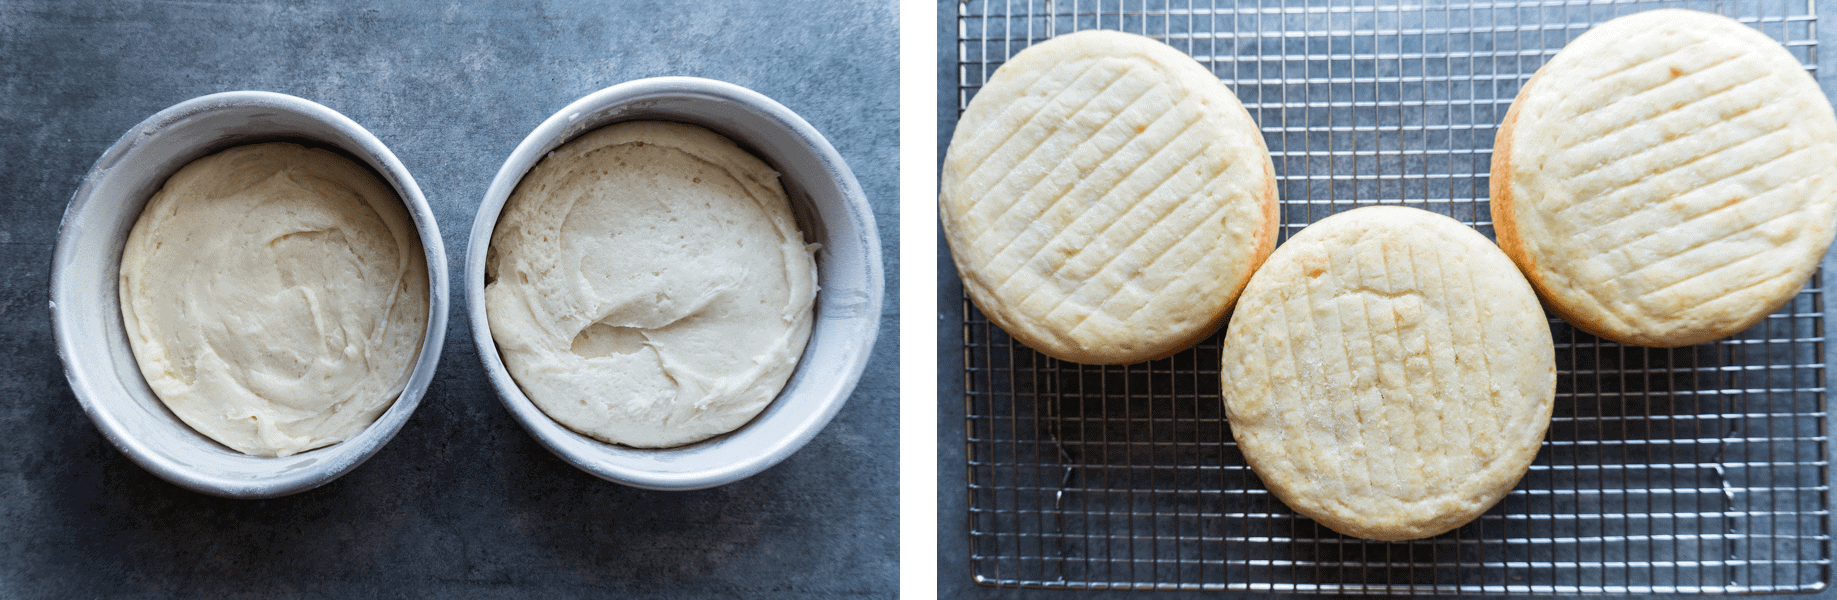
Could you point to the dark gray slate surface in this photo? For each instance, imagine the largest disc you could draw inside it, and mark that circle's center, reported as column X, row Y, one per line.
column 462, row 503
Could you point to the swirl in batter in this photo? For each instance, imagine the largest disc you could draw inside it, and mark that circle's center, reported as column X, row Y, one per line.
column 275, row 297
column 648, row 285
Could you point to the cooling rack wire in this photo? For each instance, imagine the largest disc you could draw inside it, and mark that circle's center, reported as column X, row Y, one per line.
column 1689, row 470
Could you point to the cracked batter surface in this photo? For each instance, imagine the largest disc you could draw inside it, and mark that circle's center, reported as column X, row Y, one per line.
column 275, row 297
column 647, row 285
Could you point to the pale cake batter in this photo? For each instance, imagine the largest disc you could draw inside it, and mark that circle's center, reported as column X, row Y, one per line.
column 275, row 297
column 648, row 285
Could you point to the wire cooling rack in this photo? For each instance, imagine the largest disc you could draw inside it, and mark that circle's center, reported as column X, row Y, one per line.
column 1689, row 470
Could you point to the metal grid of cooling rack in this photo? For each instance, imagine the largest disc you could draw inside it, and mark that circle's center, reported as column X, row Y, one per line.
column 1690, row 470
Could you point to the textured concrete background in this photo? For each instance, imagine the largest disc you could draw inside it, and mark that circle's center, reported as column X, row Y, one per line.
column 462, row 503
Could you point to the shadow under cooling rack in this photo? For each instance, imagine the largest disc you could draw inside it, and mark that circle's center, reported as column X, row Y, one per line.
column 1689, row 470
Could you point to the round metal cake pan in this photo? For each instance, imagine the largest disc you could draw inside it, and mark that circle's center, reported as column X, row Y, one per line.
column 831, row 210
column 85, row 303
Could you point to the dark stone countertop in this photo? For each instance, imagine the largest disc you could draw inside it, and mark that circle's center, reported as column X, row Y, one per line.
column 462, row 503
